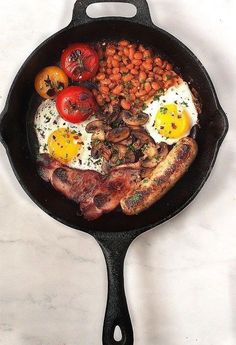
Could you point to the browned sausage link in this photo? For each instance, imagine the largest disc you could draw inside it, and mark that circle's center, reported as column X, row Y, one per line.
column 163, row 178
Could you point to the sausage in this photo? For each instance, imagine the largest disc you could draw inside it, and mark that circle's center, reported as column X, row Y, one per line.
column 163, row 178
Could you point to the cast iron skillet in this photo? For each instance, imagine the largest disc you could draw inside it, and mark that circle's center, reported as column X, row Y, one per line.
column 115, row 231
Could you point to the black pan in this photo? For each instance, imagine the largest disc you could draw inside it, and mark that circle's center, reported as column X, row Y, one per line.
column 115, row 231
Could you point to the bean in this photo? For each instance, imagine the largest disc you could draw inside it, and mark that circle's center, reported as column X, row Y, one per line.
column 140, row 93
column 149, row 61
column 146, row 54
column 117, row 90
column 155, row 86
column 104, row 89
column 138, row 56
column 115, row 70
column 147, row 66
column 169, row 67
column 115, row 63
column 132, row 97
column 109, row 70
column 115, row 77
column 117, row 57
column 158, row 70
column 125, row 104
column 107, row 99
column 137, row 62
column 141, row 48
column 120, row 53
column 124, row 43
column 147, row 87
column 142, row 77
column 131, row 53
column 130, row 66
column 164, row 64
column 112, row 85
column 125, row 60
column 126, row 51
column 105, row 82
column 134, row 71
column 124, row 69
column 110, row 51
column 135, row 82
column 134, row 90
column 128, row 77
column 158, row 61
column 100, row 76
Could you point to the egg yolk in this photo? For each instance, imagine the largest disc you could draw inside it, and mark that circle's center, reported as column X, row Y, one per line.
column 63, row 145
column 172, row 122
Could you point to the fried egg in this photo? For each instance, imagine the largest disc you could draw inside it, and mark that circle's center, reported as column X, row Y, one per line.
column 172, row 114
column 67, row 142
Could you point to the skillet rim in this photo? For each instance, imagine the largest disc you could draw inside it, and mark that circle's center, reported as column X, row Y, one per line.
column 215, row 149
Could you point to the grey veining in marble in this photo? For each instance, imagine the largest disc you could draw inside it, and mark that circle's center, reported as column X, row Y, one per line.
column 180, row 278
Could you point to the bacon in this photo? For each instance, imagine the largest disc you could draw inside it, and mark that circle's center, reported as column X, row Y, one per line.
column 97, row 194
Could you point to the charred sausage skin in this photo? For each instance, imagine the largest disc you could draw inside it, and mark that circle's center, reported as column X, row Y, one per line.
column 163, row 178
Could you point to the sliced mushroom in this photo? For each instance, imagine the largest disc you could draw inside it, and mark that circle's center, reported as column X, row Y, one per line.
column 99, row 134
column 114, row 115
column 95, row 151
column 149, row 162
column 122, row 155
column 150, row 150
column 162, row 151
column 118, row 134
column 94, row 126
column 106, row 152
column 127, row 142
column 143, row 136
column 134, row 120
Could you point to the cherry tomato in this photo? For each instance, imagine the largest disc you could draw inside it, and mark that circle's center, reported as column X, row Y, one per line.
column 50, row 81
column 75, row 104
column 80, row 61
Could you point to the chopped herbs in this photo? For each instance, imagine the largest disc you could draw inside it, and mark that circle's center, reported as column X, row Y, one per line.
column 163, row 110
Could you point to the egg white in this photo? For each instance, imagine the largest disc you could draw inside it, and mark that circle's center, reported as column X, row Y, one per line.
column 47, row 120
column 179, row 95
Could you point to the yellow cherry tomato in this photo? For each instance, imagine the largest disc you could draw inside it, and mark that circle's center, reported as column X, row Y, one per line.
column 50, row 81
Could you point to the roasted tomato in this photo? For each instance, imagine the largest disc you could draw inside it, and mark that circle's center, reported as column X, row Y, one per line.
column 50, row 81
column 75, row 104
column 80, row 61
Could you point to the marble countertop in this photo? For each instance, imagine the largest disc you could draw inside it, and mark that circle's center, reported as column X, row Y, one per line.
column 180, row 278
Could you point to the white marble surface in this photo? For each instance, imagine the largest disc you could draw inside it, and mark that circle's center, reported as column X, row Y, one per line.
column 180, row 278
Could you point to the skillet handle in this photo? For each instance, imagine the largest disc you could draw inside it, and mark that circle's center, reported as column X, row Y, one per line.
column 117, row 314
column 142, row 16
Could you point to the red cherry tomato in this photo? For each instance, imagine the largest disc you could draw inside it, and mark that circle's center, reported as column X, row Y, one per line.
column 75, row 104
column 80, row 61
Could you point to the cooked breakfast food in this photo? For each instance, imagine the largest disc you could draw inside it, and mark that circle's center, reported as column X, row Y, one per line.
column 162, row 179
column 113, row 126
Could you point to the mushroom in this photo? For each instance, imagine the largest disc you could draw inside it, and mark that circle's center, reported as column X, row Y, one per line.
column 143, row 136
column 95, row 151
column 150, row 150
column 113, row 115
column 99, row 134
column 118, row 134
column 122, row 155
column 134, row 120
column 149, row 162
column 106, row 152
column 127, row 142
column 94, row 126
column 162, row 151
